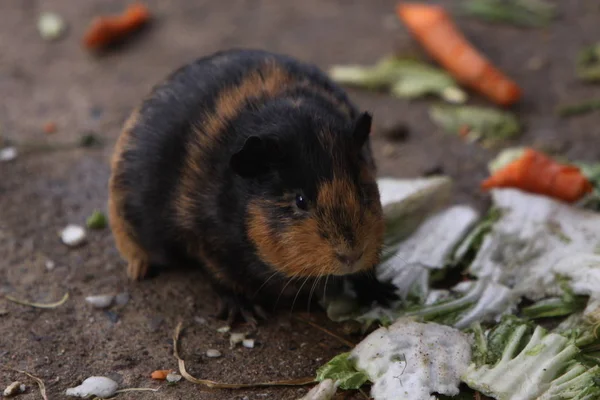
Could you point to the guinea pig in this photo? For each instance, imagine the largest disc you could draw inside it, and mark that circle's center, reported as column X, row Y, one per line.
column 258, row 168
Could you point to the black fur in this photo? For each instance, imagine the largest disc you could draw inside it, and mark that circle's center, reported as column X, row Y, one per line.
column 263, row 135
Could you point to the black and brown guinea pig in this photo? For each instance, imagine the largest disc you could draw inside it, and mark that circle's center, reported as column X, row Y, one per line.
column 257, row 167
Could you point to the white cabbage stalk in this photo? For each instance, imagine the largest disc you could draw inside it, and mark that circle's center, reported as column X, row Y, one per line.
column 537, row 239
column 411, row 360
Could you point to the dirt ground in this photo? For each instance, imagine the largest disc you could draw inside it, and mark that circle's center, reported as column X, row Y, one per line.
column 41, row 192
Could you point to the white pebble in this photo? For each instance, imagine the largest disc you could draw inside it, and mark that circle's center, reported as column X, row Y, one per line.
column 73, row 235
column 200, row 320
column 248, row 343
column 50, row 26
column 236, row 338
column 213, row 353
column 14, row 389
column 100, row 301
column 8, row 154
column 224, row 329
column 173, row 377
column 94, row 386
column 50, row 265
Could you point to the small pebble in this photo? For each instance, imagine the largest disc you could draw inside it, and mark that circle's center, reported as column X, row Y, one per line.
column 248, row 343
column 89, row 140
column 122, row 299
column 236, row 338
column 73, row 235
column 50, row 265
column 100, row 301
column 224, row 329
column 173, row 377
column 8, row 154
column 200, row 320
column 434, row 170
column 154, row 323
column 389, row 150
column 396, row 132
column 94, row 386
column 112, row 316
column 213, row 353
column 51, row 26
column 14, row 389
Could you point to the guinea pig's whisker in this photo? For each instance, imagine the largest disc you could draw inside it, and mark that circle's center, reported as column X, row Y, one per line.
column 325, row 287
column 265, row 282
column 298, row 292
column 286, row 285
column 312, row 289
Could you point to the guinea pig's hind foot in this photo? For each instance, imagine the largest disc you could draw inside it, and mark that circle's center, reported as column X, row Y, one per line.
column 233, row 306
column 137, row 269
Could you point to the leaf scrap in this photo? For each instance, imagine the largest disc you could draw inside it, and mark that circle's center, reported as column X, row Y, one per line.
column 522, row 13
column 588, row 63
column 403, row 77
column 583, row 107
column 487, row 123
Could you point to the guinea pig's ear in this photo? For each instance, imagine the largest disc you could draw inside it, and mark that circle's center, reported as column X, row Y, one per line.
column 256, row 157
column 362, row 129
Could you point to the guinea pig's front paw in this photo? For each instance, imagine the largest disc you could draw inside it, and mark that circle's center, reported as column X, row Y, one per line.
column 234, row 305
column 368, row 290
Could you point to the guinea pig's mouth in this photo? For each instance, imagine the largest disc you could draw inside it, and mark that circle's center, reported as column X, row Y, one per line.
column 349, row 262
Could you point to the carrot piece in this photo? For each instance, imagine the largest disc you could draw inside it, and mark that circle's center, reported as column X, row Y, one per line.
column 160, row 374
column 433, row 28
column 535, row 172
column 106, row 30
column 49, row 127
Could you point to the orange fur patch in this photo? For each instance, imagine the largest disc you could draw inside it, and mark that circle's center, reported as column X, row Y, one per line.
column 269, row 81
column 124, row 235
column 301, row 250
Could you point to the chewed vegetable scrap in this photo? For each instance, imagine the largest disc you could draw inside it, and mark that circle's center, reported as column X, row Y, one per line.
column 519, row 361
column 535, row 172
column 106, row 30
column 404, row 78
column 588, row 63
column 433, row 28
column 523, row 13
column 408, row 360
column 476, row 122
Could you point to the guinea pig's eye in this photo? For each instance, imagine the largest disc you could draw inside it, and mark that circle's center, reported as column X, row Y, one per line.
column 301, row 202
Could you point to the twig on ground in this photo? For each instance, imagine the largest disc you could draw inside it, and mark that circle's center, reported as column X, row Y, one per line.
column 38, row 305
column 218, row 385
column 327, row 331
column 39, row 382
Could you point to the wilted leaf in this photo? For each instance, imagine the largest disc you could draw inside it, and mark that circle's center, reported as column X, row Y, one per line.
column 588, row 63
column 487, row 123
column 525, row 13
column 405, row 78
column 341, row 369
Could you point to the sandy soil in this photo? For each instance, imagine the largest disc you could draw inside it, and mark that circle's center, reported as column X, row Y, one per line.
column 42, row 192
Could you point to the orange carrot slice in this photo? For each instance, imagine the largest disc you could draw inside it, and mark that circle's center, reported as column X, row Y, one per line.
column 433, row 28
column 106, row 30
column 535, row 172
column 160, row 374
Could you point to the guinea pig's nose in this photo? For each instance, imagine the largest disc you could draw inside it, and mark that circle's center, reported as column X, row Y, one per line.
column 350, row 257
